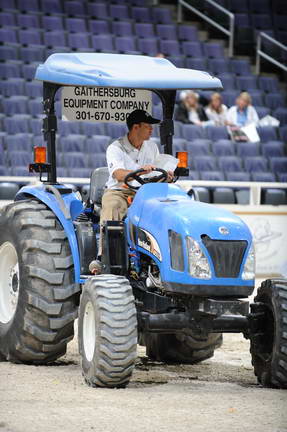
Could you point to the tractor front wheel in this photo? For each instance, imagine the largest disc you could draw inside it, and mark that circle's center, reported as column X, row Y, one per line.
column 269, row 333
column 107, row 331
column 38, row 298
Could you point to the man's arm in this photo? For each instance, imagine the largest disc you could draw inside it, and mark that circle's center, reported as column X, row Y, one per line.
column 120, row 174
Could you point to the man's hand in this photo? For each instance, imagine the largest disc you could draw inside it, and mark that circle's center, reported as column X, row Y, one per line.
column 170, row 176
column 148, row 168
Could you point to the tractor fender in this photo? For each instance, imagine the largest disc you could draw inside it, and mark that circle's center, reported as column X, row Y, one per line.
column 66, row 208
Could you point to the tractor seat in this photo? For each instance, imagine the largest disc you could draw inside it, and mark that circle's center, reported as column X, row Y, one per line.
column 99, row 178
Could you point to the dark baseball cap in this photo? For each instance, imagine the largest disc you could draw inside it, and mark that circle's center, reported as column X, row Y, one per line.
column 140, row 116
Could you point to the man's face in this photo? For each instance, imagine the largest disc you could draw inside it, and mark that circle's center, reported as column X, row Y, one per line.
column 144, row 131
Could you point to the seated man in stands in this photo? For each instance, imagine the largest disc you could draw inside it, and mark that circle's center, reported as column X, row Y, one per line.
column 129, row 153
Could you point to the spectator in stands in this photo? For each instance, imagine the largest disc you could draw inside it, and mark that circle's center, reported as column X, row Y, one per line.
column 243, row 113
column 216, row 111
column 190, row 111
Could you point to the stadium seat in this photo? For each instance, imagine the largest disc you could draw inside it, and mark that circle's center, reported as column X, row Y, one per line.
column 213, row 50
column 223, row 195
column 34, row 89
column 28, row 21
column 125, row 44
column 103, row 43
column 240, row 67
column 223, row 148
column 97, row 160
column 18, row 142
column 220, row 66
column 262, row 111
column 90, row 129
column 215, row 133
column 275, row 100
column 238, row 176
column 245, row 149
column 72, row 143
column 51, row 6
column 116, row 130
column 98, row 10
column 192, row 49
column 267, row 133
column 75, row 8
column 161, row 15
column 7, row 19
column 274, row 197
column 187, row 33
column 256, row 163
column 9, row 34
column 12, row 87
column 191, row 132
column 166, row 31
column 141, row 14
column 148, row 46
column 263, row 176
column 119, row 12
column 74, row 160
column 99, row 27
column 52, row 23
column 80, row 172
column 278, row 164
column 246, row 82
column 97, row 144
column 19, row 158
column 144, row 30
column 268, row 84
column 67, row 128
column 202, row 193
column 230, row 163
column 212, row 175
column 199, row 63
column 273, row 149
column 281, row 114
column 198, row 148
column 122, row 28
column 17, row 124
column 203, row 163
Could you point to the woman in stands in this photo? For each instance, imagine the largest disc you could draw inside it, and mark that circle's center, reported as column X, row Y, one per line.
column 243, row 113
column 190, row 111
column 216, row 111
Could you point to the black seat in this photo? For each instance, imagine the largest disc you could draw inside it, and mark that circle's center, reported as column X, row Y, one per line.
column 99, row 178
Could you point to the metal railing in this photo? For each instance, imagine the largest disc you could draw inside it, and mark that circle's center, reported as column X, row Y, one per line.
column 228, row 32
column 260, row 53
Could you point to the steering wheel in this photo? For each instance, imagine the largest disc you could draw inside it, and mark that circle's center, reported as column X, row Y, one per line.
column 136, row 175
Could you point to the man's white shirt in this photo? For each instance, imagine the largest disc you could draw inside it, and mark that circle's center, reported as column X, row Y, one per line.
column 121, row 154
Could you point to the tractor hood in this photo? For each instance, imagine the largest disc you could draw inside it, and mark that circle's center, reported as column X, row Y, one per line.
column 121, row 70
column 162, row 212
column 166, row 207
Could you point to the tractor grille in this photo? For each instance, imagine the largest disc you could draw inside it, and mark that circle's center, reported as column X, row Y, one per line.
column 226, row 255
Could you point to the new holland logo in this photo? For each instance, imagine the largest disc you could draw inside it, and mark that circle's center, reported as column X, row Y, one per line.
column 223, row 230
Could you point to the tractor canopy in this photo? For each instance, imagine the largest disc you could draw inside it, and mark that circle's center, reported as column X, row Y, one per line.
column 120, row 70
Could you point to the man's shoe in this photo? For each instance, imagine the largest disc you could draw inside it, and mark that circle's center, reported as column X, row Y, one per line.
column 96, row 267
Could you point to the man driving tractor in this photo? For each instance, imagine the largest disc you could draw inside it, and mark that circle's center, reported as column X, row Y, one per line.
column 133, row 151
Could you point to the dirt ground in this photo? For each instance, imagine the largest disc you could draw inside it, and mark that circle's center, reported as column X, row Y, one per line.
column 220, row 393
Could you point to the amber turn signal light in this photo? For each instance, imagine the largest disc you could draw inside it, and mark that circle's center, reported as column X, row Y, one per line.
column 182, row 156
column 40, row 155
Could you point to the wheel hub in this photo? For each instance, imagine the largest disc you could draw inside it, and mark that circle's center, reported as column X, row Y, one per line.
column 9, row 282
column 89, row 331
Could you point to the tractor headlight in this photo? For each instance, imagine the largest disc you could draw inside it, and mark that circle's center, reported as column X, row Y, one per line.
column 249, row 266
column 198, row 265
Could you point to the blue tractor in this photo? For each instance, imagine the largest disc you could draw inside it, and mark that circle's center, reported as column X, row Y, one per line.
column 177, row 272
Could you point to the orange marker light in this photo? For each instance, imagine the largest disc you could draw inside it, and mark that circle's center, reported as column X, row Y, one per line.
column 182, row 156
column 40, row 155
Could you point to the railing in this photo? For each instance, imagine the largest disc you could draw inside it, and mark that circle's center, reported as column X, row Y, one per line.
column 229, row 33
column 260, row 53
column 254, row 187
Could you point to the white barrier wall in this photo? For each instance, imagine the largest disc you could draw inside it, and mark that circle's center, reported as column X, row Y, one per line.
column 268, row 225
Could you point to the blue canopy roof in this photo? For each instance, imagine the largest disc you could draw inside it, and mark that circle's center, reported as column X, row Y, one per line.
column 121, row 70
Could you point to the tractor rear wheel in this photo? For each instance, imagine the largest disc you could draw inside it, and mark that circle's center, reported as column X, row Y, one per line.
column 107, row 331
column 38, row 298
column 269, row 333
column 185, row 347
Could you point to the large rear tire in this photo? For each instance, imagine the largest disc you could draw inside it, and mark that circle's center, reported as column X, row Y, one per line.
column 184, row 347
column 107, row 331
column 269, row 334
column 38, row 296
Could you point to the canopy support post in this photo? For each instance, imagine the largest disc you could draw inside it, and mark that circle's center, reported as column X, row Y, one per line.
column 166, row 127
